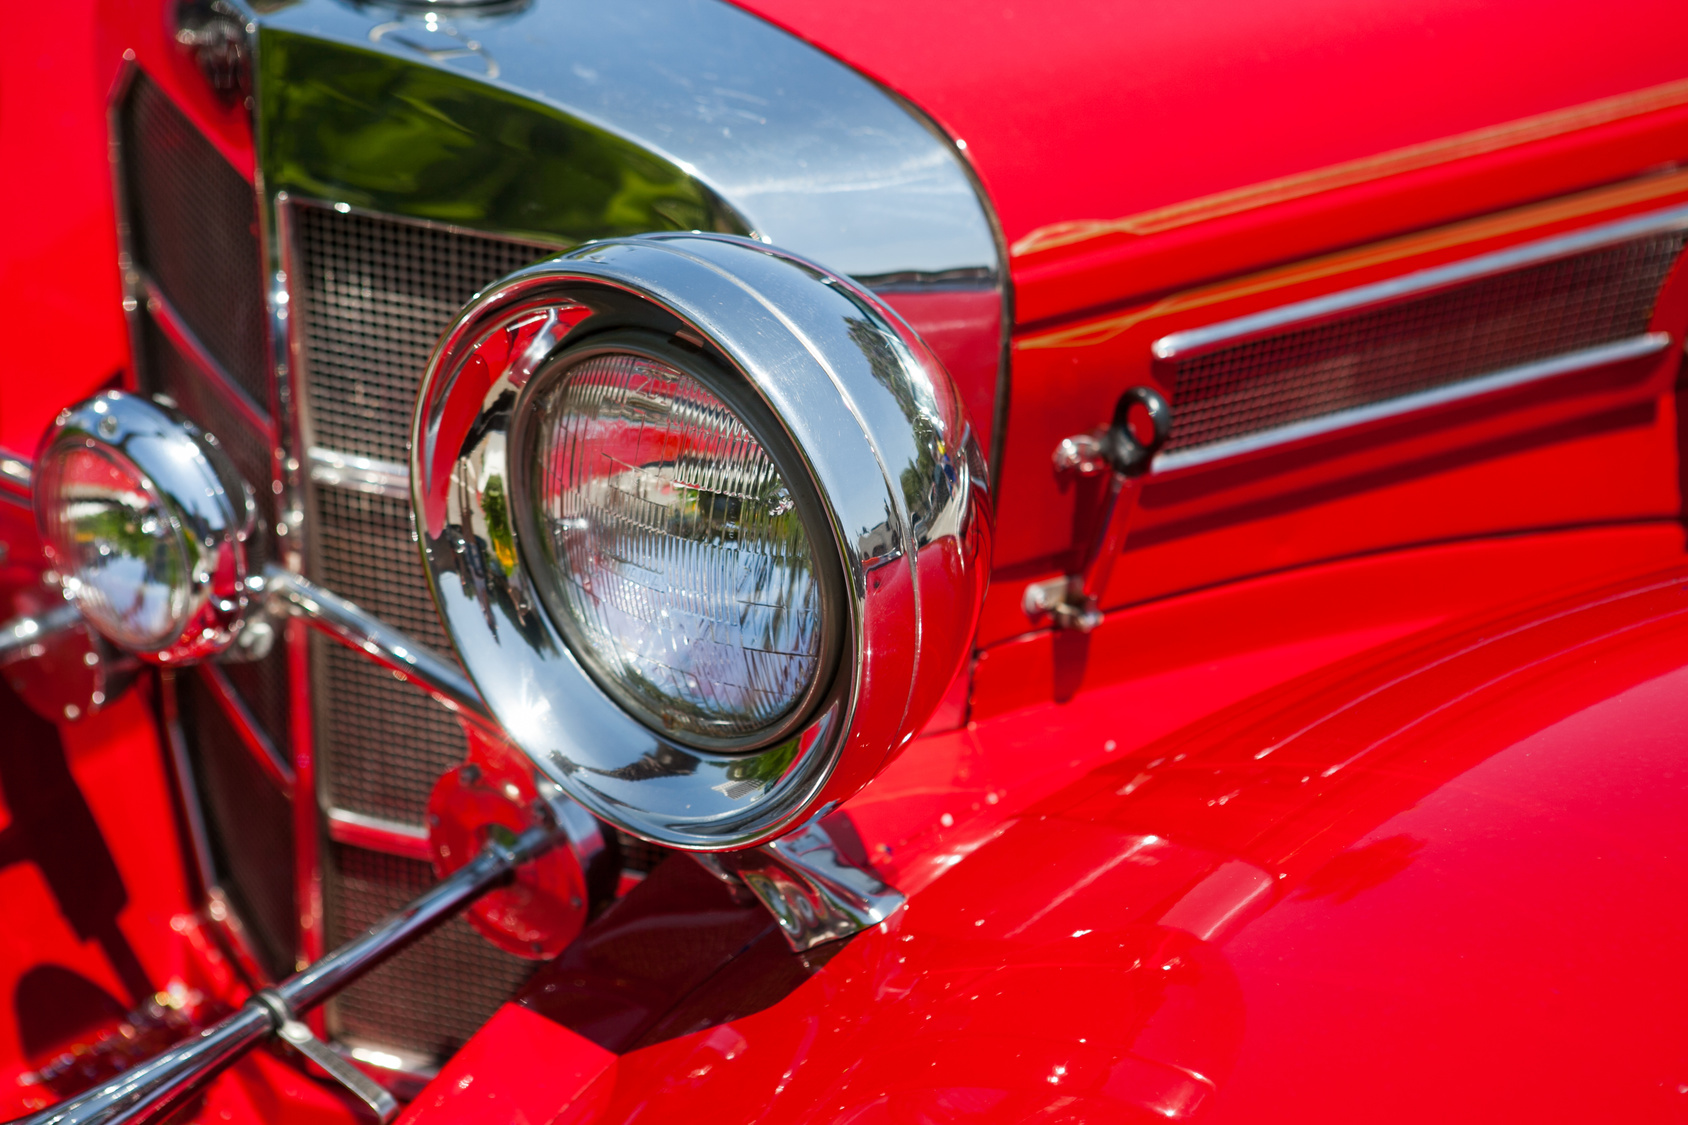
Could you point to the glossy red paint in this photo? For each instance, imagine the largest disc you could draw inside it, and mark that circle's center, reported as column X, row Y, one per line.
column 1387, row 889
column 1606, row 439
column 59, row 290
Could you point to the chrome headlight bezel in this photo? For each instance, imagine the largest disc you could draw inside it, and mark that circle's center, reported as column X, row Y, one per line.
column 872, row 429
column 210, row 510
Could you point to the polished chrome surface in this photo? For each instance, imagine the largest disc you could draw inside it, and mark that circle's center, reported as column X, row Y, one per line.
column 142, row 1092
column 382, row 1105
column 870, row 418
column 15, row 470
column 27, row 636
column 1588, row 359
column 360, row 474
column 1197, row 341
column 208, row 509
column 813, row 892
column 384, row 644
column 813, row 157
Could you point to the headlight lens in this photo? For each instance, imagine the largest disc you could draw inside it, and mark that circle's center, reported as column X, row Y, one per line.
column 678, row 564
column 123, row 559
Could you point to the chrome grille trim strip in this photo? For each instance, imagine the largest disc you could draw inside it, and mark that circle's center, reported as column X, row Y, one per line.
column 181, row 337
column 1199, row 341
column 1587, row 359
column 359, row 474
column 377, row 834
column 252, row 736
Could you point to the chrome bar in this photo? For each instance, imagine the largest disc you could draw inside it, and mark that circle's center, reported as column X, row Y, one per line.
column 360, row 474
column 16, row 470
column 138, row 1094
column 23, row 637
column 387, row 646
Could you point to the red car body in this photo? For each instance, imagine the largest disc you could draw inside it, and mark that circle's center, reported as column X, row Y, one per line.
column 1366, row 799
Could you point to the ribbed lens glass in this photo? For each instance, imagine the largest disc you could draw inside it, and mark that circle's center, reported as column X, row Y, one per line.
column 122, row 559
column 678, row 563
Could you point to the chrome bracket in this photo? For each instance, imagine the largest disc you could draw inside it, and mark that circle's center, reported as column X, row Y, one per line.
column 1074, row 600
column 302, row 1039
column 814, row 893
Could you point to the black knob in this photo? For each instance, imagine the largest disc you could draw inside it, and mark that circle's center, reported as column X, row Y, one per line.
column 1121, row 448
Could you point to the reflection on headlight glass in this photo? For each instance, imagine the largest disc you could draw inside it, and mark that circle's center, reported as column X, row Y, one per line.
column 679, row 566
column 124, row 563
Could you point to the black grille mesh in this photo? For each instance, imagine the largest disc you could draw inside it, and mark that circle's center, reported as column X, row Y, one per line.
column 193, row 225
column 249, row 821
column 1507, row 320
column 377, row 294
column 433, row 996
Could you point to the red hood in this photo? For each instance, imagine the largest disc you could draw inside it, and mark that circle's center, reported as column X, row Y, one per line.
column 1092, row 121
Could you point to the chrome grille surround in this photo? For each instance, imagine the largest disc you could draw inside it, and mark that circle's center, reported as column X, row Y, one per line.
column 1561, row 304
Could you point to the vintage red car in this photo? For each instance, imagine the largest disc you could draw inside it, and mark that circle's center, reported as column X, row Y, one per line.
column 896, row 562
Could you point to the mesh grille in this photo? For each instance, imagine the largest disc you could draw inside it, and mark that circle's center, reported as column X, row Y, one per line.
column 169, row 371
column 194, row 229
column 250, row 824
column 366, row 551
column 1511, row 319
column 377, row 294
column 383, row 742
column 431, row 997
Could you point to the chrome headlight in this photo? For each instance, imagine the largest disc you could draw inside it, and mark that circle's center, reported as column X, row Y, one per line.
column 146, row 521
column 707, row 526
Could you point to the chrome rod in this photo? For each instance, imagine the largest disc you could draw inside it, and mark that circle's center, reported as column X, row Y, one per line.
column 387, row 646
column 23, row 637
column 138, row 1094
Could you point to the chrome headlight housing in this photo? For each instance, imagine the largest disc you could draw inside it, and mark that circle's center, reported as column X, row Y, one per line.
column 146, row 521
column 707, row 525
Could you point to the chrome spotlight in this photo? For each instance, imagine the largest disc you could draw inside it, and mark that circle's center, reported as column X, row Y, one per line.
column 708, row 527
column 146, row 521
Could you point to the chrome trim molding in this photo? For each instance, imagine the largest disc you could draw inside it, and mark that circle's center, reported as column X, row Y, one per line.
column 1199, row 341
column 359, row 474
column 378, row 834
column 1588, row 359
